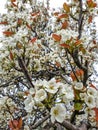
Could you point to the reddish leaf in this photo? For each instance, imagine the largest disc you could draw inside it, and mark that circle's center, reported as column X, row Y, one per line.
column 19, row 21
column 56, row 13
column 90, row 19
column 26, row 93
column 94, row 42
column 63, row 16
column 73, row 76
column 79, row 73
column 5, row 22
column 28, row 26
column 66, row 7
column 96, row 114
column 39, row 45
column 58, row 64
column 11, row 55
column 82, row 49
column 65, row 45
column 92, row 48
column 33, row 39
column 15, row 124
column 64, row 25
column 13, row 0
column 14, row 4
column 35, row 14
column 91, row 4
column 20, row 123
column 78, row 42
column 8, row 33
column 56, row 37
column 19, row 45
column 58, row 80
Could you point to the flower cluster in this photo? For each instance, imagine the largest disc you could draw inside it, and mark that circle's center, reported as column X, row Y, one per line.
column 7, row 106
column 46, row 61
column 51, row 95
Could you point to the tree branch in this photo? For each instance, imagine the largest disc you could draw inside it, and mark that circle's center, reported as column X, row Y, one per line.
column 40, row 122
column 25, row 71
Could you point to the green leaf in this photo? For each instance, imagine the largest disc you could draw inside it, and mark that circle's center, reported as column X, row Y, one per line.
column 78, row 106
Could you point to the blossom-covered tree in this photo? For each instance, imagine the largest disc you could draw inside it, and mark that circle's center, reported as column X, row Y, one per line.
column 46, row 64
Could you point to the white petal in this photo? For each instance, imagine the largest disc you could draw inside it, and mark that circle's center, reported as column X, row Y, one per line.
column 52, row 119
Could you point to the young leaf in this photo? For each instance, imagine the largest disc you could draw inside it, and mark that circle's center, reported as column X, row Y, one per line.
column 56, row 13
column 78, row 42
column 33, row 39
column 96, row 114
column 73, row 76
column 91, row 4
column 19, row 45
column 15, row 124
column 11, row 55
column 65, row 45
column 78, row 106
column 19, row 21
column 13, row 0
column 63, row 16
column 90, row 19
column 64, row 25
column 66, row 7
column 8, row 33
column 56, row 37
column 28, row 26
column 20, row 123
column 5, row 22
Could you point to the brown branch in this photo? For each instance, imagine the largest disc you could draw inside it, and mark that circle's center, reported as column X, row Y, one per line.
column 84, row 125
column 10, row 80
column 25, row 71
column 80, row 21
column 66, row 124
column 40, row 122
column 71, row 65
column 72, row 16
column 69, row 126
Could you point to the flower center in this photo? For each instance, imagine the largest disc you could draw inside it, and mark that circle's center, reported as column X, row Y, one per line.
column 56, row 112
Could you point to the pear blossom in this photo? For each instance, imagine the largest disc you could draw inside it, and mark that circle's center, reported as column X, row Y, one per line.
column 90, row 111
column 3, row 101
column 29, row 103
column 78, row 85
column 92, row 91
column 83, row 96
column 52, row 86
column 58, row 113
column 67, row 34
column 40, row 95
column 68, row 97
column 34, row 85
column 90, row 101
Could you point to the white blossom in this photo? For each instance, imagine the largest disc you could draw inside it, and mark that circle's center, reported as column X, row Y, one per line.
column 29, row 103
column 90, row 101
column 58, row 113
column 40, row 95
column 78, row 85
column 52, row 86
column 92, row 91
column 26, row 127
column 3, row 101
